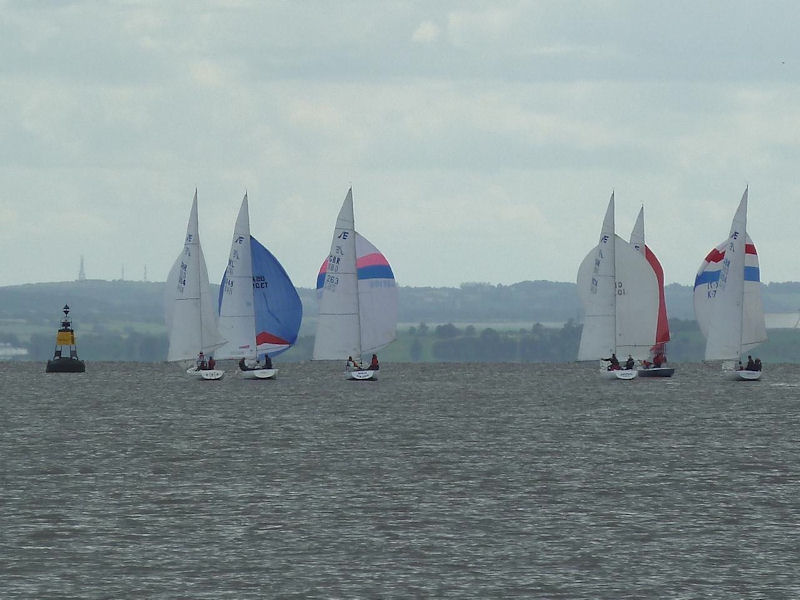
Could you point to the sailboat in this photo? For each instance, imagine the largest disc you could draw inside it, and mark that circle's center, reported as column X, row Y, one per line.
column 727, row 299
column 259, row 308
column 618, row 289
column 190, row 309
column 357, row 298
column 652, row 367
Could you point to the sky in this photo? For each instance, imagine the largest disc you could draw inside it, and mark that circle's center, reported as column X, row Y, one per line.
column 482, row 140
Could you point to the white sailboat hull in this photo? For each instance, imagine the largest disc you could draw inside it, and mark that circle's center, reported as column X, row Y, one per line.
column 206, row 374
column 624, row 374
column 259, row 374
column 743, row 375
column 362, row 375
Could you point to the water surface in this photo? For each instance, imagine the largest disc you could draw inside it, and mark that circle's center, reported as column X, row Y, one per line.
column 438, row 481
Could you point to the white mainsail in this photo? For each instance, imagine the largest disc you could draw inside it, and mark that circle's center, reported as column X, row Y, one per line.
column 338, row 328
column 596, row 291
column 237, row 317
column 357, row 295
column 191, row 314
column 727, row 297
column 618, row 290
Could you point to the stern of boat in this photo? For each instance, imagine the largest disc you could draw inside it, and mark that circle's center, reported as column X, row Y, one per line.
column 624, row 374
column 259, row 374
column 205, row 374
column 363, row 375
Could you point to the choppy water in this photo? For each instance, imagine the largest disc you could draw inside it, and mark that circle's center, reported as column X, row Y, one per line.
column 439, row 481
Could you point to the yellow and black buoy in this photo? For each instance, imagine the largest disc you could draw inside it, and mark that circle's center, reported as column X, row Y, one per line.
column 65, row 357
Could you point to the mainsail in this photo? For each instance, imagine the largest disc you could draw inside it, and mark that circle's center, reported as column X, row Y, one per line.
column 237, row 317
column 190, row 311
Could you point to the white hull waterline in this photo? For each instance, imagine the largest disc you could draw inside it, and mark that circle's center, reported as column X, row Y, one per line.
column 362, row 375
column 743, row 375
column 623, row 374
column 259, row 374
column 205, row 374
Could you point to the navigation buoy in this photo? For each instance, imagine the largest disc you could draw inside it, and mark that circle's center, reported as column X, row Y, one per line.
column 65, row 356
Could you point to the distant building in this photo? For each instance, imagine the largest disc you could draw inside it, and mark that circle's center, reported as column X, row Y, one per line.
column 81, row 272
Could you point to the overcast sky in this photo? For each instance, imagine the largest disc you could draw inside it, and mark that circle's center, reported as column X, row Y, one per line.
column 482, row 139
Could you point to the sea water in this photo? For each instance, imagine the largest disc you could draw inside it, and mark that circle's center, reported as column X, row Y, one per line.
column 437, row 481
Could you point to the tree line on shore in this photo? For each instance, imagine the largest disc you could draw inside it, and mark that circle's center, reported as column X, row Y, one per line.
column 423, row 343
column 124, row 321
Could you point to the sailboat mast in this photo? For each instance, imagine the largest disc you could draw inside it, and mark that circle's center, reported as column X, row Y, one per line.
column 196, row 258
column 358, row 299
column 614, row 279
column 202, row 332
column 741, row 265
column 609, row 228
column 741, row 290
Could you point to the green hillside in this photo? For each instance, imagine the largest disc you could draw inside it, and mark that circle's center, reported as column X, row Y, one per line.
column 531, row 321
